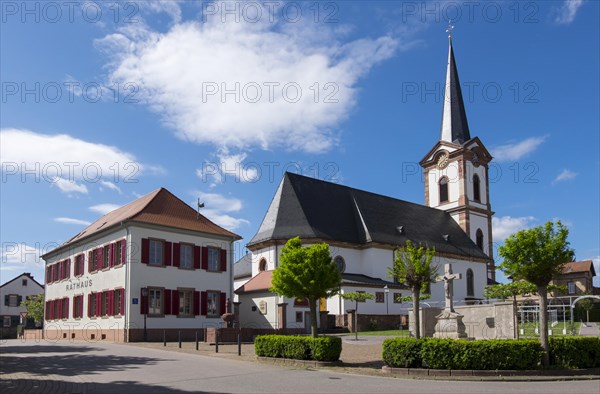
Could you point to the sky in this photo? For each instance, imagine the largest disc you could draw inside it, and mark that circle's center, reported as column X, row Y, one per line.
column 103, row 102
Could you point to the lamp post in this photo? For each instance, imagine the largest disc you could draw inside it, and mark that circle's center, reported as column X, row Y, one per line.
column 145, row 311
column 386, row 290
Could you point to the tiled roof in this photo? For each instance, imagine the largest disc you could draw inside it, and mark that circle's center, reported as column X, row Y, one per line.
column 261, row 282
column 579, row 266
column 161, row 207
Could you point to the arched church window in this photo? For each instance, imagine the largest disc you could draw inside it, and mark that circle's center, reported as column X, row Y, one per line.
column 340, row 263
column 476, row 188
column 262, row 265
column 470, row 283
column 444, row 189
column 479, row 238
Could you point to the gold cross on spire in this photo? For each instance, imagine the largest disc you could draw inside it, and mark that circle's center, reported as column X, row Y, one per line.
column 449, row 29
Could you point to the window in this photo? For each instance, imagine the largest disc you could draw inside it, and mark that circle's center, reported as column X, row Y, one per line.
column 55, row 272
column 186, row 302
column 65, row 308
column 444, row 190
column 155, row 301
column 479, row 238
column 301, row 303
column 24, row 282
column 186, row 256
column 93, row 260
column 104, row 307
column 106, row 257
column 77, row 307
column 571, row 287
column 379, row 296
column 298, row 317
column 156, row 252
column 476, row 188
column 12, row 300
column 470, row 283
column 212, row 300
column 92, row 305
column 6, row 321
column 262, row 265
column 117, row 302
column 79, row 265
column 214, row 255
column 340, row 263
column 397, row 298
column 117, row 253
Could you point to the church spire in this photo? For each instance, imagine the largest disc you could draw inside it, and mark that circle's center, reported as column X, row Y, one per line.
column 454, row 118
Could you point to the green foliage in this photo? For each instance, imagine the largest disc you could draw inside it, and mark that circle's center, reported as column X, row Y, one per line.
column 413, row 266
column 298, row 348
column 358, row 296
column 35, row 307
column 459, row 354
column 402, row 352
column 307, row 273
column 575, row 352
column 509, row 290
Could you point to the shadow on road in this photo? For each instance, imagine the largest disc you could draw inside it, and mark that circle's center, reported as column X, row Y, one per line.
column 47, row 349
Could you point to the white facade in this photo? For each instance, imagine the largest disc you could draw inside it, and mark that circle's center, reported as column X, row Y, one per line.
column 12, row 293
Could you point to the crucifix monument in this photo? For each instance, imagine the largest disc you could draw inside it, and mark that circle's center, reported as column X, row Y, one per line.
column 449, row 324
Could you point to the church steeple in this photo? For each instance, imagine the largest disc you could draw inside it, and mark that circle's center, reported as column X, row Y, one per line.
column 454, row 118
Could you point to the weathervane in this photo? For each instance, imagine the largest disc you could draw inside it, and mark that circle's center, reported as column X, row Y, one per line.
column 450, row 28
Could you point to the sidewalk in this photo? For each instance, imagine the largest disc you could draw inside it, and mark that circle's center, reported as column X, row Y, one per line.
column 591, row 330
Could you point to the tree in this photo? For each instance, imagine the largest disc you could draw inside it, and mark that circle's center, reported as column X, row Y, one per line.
column 359, row 296
column 35, row 307
column 587, row 304
column 413, row 267
column 307, row 273
column 538, row 255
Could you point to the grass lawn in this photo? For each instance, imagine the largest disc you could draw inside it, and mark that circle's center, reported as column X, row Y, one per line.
column 529, row 329
column 384, row 333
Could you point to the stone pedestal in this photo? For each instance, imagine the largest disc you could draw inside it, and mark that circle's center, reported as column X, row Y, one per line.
column 450, row 325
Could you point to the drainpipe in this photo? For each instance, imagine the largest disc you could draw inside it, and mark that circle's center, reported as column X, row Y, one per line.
column 127, row 287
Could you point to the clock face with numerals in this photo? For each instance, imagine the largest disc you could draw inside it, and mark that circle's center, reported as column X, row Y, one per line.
column 442, row 161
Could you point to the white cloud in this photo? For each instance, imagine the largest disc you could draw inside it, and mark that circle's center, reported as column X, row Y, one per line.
column 111, row 186
column 219, row 209
column 516, row 150
column 504, row 226
column 68, row 162
column 178, row 70
column 103, row 209
column 72, row 221
column 565, row 175
column 19, row 257
column 567, row 13
column 228, row 165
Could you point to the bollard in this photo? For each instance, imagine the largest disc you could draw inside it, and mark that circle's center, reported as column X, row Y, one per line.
column 179, row 337
column 164, row 337
column 239, row 344
column 216, row 341
column 196, row 340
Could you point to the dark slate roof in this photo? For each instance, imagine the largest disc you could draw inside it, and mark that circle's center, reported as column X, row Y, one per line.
column 311, row 208
column 364, row 279
column 458, row 115
column 243, row 267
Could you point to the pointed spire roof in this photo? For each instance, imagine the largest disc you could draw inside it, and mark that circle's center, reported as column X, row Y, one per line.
column 454, row 118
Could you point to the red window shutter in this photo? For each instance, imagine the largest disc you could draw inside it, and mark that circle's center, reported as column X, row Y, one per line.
column 123, row 251
column 51, row 316
column 196, row 303
column 222, row 303
column 90, row 257
column 197, row 257
column 47, row 276
column 145, row 251
column 223, row 260
column 204, row 258
column 167, row 304
column 68, row 268
column 167, row 251
column 90, row 304
column 59, row 305
column 99, row 303
column 175, row 302
column 176, row 254
column 111, row 254
column 50, row 307
column 67, row 308
column 203, row 303
column 122, row 302
column 76, row 268
column 143, row 305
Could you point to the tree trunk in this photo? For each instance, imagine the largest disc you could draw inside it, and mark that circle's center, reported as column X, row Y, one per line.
column 356, row 321
column 515, row 317
column 587, row 312
column 415, row 297
column 313, row 318
column 543, row 296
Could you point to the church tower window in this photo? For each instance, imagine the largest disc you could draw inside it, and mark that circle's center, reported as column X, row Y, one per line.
column 470, row 283
column 479, row 238
column 444, row 190
column 262, row 265
column 476, row 188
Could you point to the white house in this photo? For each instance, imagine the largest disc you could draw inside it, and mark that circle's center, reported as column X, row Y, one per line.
column 151, row 267
column 363, row 229
column 12, row 293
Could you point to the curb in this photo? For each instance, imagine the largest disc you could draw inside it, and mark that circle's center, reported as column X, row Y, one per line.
column 504, row 375
column 298, row 363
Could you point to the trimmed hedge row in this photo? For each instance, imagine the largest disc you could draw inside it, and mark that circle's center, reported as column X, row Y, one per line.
column 298, row 348
column 567, row 352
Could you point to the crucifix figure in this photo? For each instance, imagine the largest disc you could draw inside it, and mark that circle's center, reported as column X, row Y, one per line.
column 448, row 278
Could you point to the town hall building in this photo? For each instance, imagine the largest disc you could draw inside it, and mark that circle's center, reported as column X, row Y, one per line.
column 364, row 229
column 153, row 267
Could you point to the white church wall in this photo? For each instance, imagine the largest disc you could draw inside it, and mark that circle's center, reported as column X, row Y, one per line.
column 480, row 172
column 479, row 222
column 250, row 318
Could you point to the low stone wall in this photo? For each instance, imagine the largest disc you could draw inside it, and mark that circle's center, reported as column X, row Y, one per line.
column 116, row 335
column 377, row 322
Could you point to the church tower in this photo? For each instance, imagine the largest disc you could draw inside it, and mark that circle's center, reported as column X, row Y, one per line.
column 456, row 168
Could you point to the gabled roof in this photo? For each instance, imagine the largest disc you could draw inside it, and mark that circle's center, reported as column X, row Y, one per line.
column 161, row 207
column 579, row 266
column 261, row 282
column 28, row 275
column 243, row 267
column 455, row 127
column 315, row 209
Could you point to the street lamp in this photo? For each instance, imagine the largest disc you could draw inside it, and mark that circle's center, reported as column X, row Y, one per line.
column 145, row 311
column 386, row 289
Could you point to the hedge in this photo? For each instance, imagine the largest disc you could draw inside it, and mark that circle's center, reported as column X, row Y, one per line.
column 298, row 348
column 565, row 352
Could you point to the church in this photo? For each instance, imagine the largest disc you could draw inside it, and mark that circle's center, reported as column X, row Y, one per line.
column 364, row 229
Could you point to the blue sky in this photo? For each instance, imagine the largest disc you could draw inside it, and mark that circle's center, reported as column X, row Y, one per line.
column 104, row 102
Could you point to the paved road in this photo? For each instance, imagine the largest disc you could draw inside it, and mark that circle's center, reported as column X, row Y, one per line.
column 589, row 330
column 81, row 367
